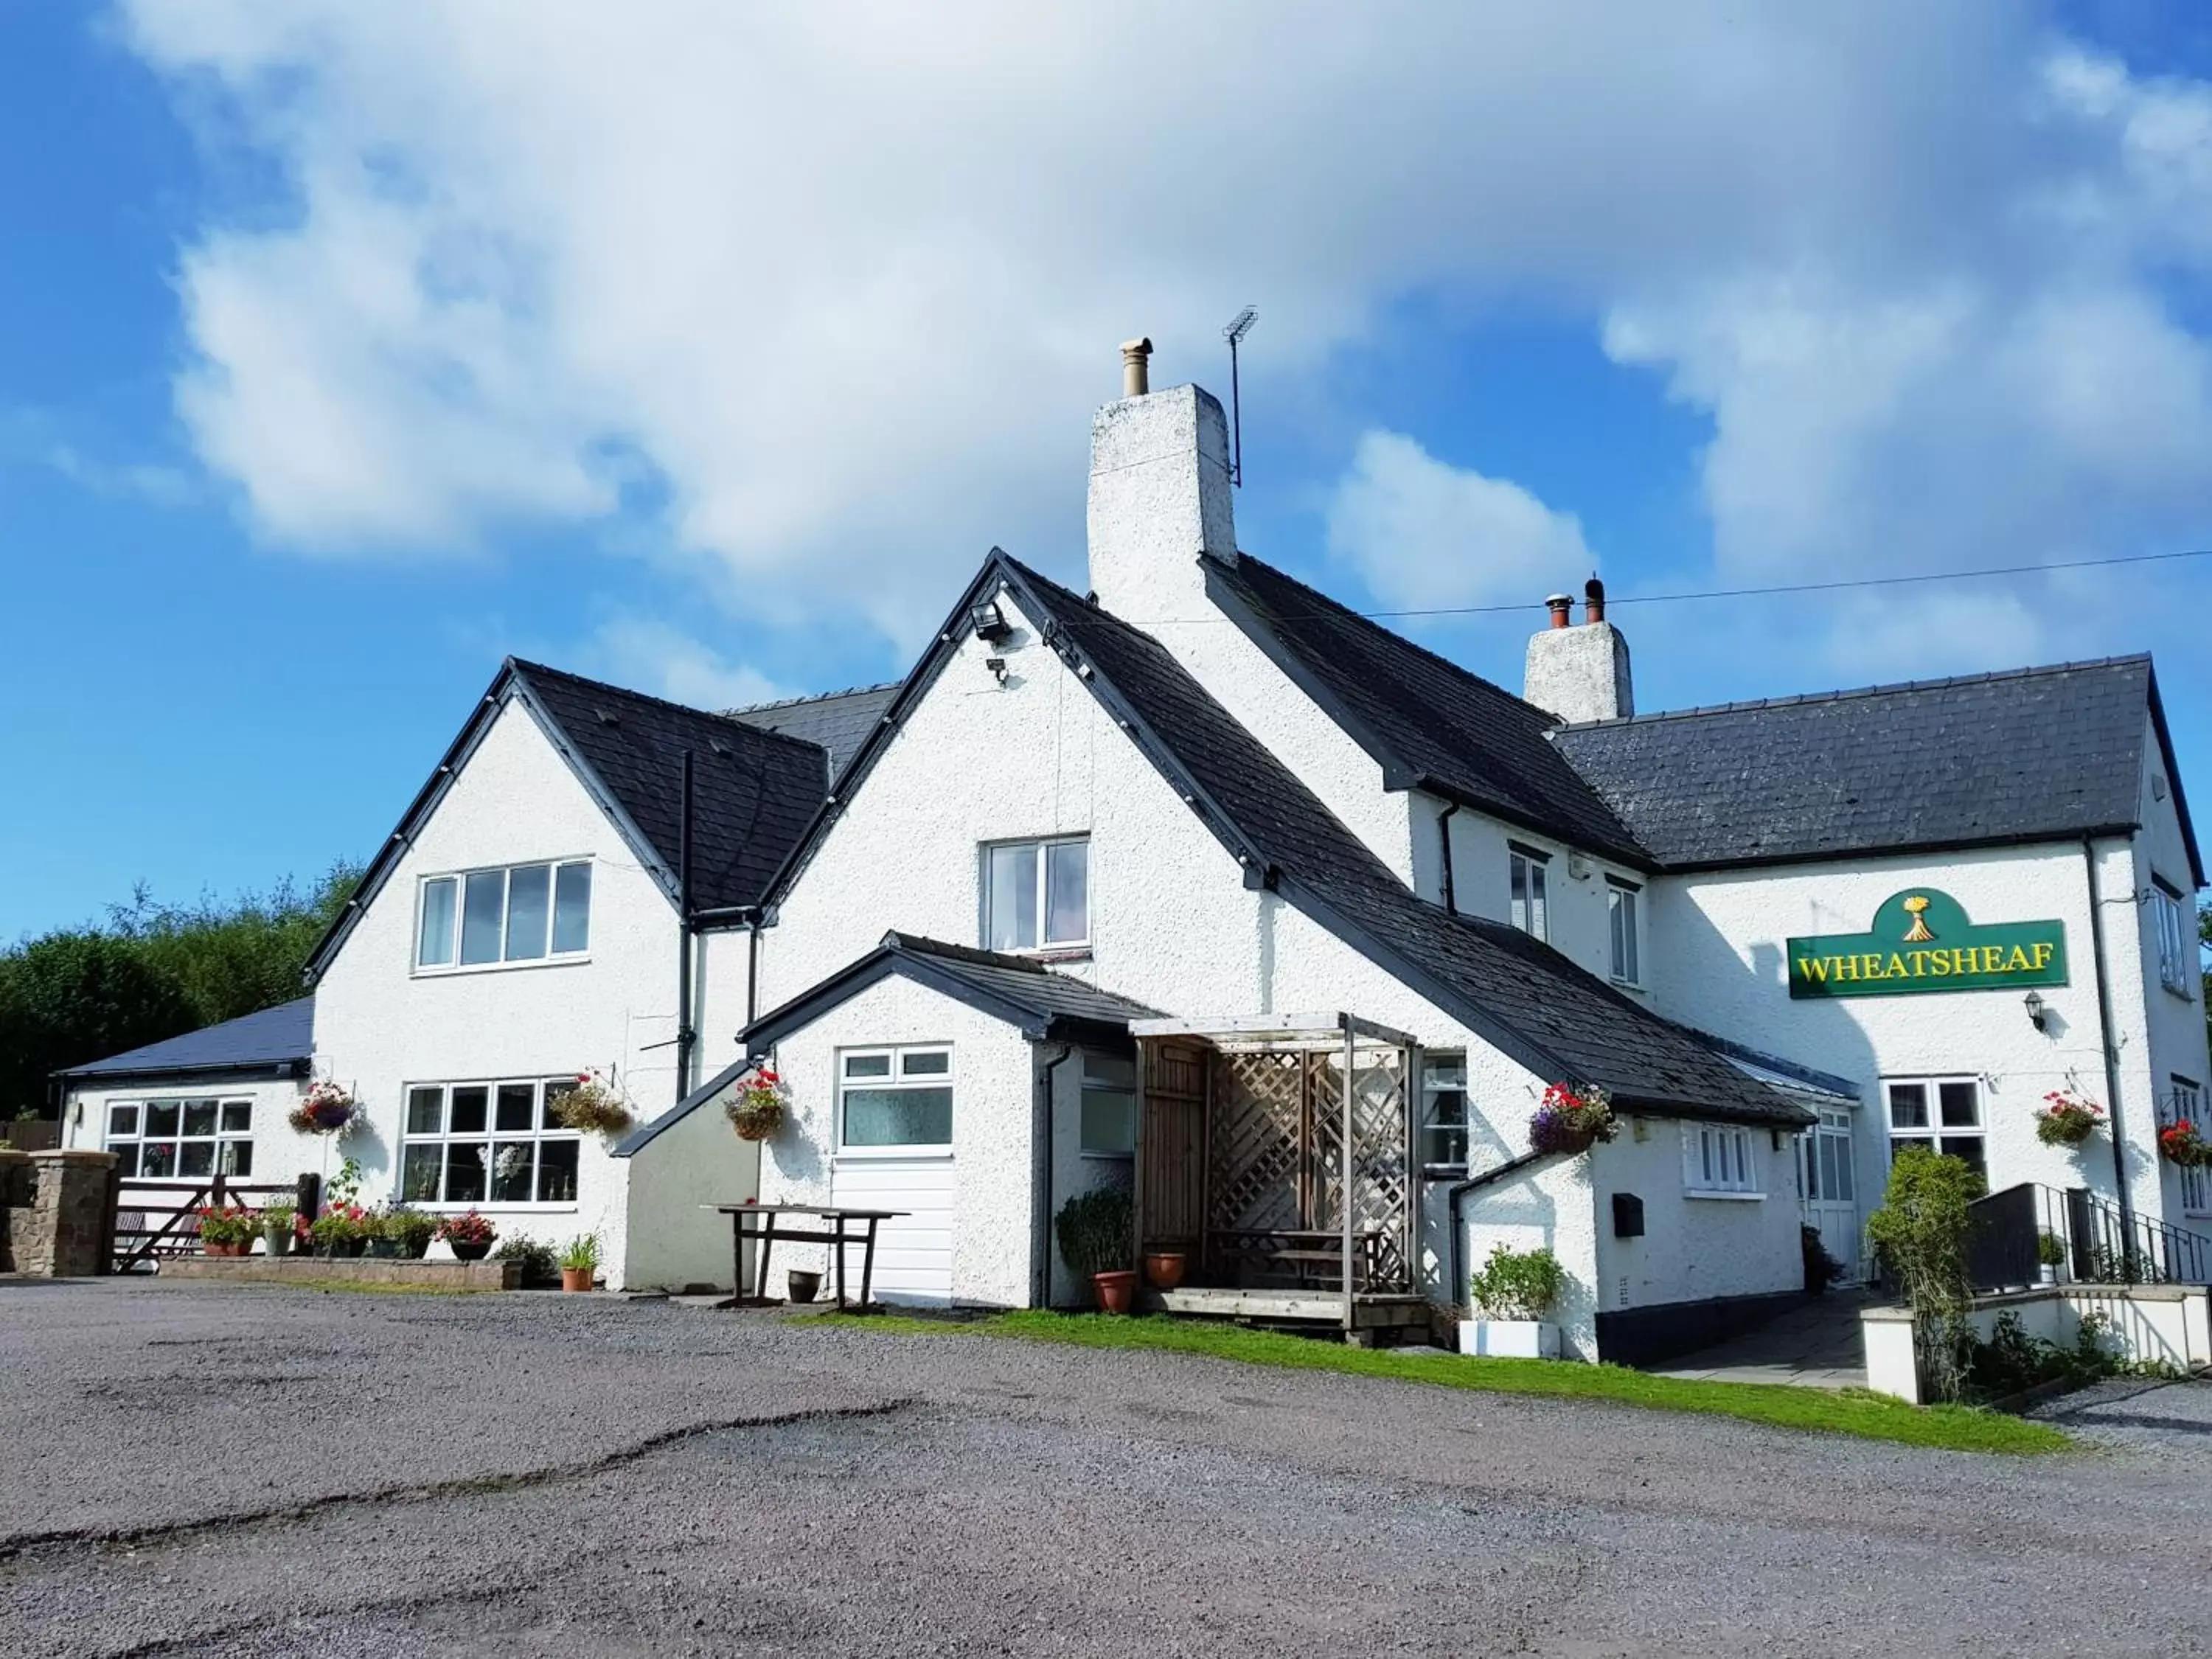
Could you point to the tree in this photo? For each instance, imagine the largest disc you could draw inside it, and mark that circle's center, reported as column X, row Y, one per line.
column 69, row 997
column 235, row 959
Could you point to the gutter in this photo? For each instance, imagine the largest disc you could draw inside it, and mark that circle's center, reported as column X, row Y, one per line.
column 2105, row 1037
column 1459, row 1191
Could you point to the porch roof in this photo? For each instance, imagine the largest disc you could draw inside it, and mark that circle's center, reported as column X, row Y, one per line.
column 1289, row 1030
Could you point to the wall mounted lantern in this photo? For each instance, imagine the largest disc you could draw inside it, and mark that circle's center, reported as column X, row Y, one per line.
column 2038, row 1016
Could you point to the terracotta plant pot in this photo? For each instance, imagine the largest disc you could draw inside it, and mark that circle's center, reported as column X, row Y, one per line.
column 1116, row 1291
column 576, row 1278
column 803, row 1283
column 1163, row 1269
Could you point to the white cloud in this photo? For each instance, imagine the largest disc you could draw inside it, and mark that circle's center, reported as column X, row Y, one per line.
column 1426, row 534
column 831, row 288
column 656, row 658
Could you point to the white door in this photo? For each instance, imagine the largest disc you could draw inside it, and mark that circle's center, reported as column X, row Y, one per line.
column 1829, row 1183
column 913, row 1253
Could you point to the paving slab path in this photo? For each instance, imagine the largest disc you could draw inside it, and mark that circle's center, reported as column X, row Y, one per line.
column 188, row 1469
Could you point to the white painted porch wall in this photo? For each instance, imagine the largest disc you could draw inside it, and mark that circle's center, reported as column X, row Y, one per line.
column 2173, row 1023
column 1693, row 1249
column 380, row 1026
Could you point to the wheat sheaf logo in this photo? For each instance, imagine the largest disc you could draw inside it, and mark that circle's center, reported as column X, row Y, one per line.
column 1916, row 907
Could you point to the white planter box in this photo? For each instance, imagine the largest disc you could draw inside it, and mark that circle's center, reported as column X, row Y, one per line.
column 1509, row 1339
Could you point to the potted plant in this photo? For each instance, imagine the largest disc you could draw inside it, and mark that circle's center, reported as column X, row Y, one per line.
column 580, row 1261
column 2181, row 1143
column 1095, row 1229
column 326, row 1109
column 1511, row 1293
column 1571, row 1120
column 340, row 1230
column 377, row 1234
column 539, row 1265
column 1163, row 1269
column 279, row 1222
column 2066, row 1119
column 758, row 1109
column 409, row 1231
column 227, row 1230
column 2050, row 1255
column 470, row 1235
column 596, row 1106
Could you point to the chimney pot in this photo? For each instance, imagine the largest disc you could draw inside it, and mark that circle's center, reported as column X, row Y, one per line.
column 1593, row 600
column 1561, row 605
column 1136, row 371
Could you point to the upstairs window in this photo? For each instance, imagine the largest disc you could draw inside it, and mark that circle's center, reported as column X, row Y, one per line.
column 1717, row 1162
column 1625, row 903
column 2173, row 951
column 1528, row 909
column 1036, row 895
column 1444, row 1110
column 523, row 913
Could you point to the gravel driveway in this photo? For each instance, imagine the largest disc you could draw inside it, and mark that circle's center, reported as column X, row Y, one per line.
column 193, row 1469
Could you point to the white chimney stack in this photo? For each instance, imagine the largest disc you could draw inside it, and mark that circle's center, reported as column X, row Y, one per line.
column 1580, row 674
column 1159, row 497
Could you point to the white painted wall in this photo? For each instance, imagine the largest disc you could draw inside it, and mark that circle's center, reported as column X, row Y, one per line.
column 1693, row 1249
column 2173, row 1023
column 673, row 1239
column 1579, row 920
column 276, row 1150
column 380, row 1026
column 986, row 1181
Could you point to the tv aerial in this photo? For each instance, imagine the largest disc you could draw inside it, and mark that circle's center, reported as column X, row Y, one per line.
column 1239, row 327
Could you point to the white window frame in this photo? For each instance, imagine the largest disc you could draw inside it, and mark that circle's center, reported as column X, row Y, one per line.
column 2195, row 1184
column 459, row 879
column 544, row 1131
column 1096, row 1081
column 1528, row 867
column 1624, row 919
column 1720, row 1160
column 897, row 1077
column 1443, row 1074
column 1042, row 845
column 2173, row 952
column 1936, row 1131
column 223, row 1140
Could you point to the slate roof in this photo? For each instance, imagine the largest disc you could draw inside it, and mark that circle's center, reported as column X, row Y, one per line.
column 838, row 721
column 1043, row 1004
column 1428, row 723
column 273, row 1039
column 1517, row 993
column 2035, row 753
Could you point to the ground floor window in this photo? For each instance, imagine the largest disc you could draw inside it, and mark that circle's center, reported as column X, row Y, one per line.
column 1716, row 1160
column 896, row 1099
column 181, row 1139
column 1110, row 1105
column 2195, row 1184
column 489, row 1143
column 1444, row 1110
column 1943, row 1114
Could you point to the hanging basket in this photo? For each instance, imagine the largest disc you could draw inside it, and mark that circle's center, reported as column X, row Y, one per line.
column 2180, row 1143
column 1571, row 1120
column 2067, row 1119
column 762, row 1102
column 594, row 1106
column 327, row 1109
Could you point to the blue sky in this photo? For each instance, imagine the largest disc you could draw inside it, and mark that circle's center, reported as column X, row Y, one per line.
column 345, row 350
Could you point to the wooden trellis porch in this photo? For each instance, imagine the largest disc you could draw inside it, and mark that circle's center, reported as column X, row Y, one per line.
column 1279, row 1156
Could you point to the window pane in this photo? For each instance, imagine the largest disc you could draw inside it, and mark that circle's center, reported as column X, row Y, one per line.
column 481, row 903
column 924, row 1064
column 1843, row 1193
column 529, row 897
column 513, row 1163
column 434, row 945
column 517, row 1104
column 1011, row 918
column 1109, row 1120
column 899, row 1117
column 1829, row 1180
column 465, row 1173
column 1110, row 1071
column 1538, row 923
column 557, row 1172
column 1968, row 1147
column 126, row 1160
column 196, row 1158
column 1067, row 890
column 122, row 1120
column 1908, row 1105
column 426, row 1113
column 1631, row 909
column 572, row 908
column 1957, row 1104
column 160, row 1160
column 1518, row 911
column 469, row 1106
column 237, row 1157
column 418, row 1178
column 237, row 1116
column 161, row 1117
column 554, row 1093
column 199, row 1117
column 867, row 1066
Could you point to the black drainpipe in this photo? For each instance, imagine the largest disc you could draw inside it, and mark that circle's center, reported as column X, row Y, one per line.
column 2105, row 1038
column 1460, row 1190
column 1044, row 1121
column 752, row 968
column 686, row 1036
column 1444, row 823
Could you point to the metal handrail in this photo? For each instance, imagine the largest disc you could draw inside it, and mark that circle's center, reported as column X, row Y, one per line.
column 2104, row 1244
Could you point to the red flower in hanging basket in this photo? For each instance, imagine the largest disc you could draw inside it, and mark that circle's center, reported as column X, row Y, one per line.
column 326, row 1109
column 2067, row 1119
column 758, row 1109
column 2182, row 1144
column 1571, row 1120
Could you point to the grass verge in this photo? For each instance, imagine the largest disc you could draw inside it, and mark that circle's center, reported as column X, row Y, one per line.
column 1852, row 1411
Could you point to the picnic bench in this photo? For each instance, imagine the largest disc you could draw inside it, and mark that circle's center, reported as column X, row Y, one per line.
column 836, row 1232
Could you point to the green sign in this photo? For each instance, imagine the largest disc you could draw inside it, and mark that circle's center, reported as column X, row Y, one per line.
column 1922, row 941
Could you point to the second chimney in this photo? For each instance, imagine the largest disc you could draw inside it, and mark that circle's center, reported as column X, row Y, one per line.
column 1136, row 367
column 1580, row 674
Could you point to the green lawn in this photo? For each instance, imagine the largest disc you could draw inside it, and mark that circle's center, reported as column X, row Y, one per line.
column 1869, row 1416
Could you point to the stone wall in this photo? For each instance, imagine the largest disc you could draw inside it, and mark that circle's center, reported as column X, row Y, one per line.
column 62, row 1231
